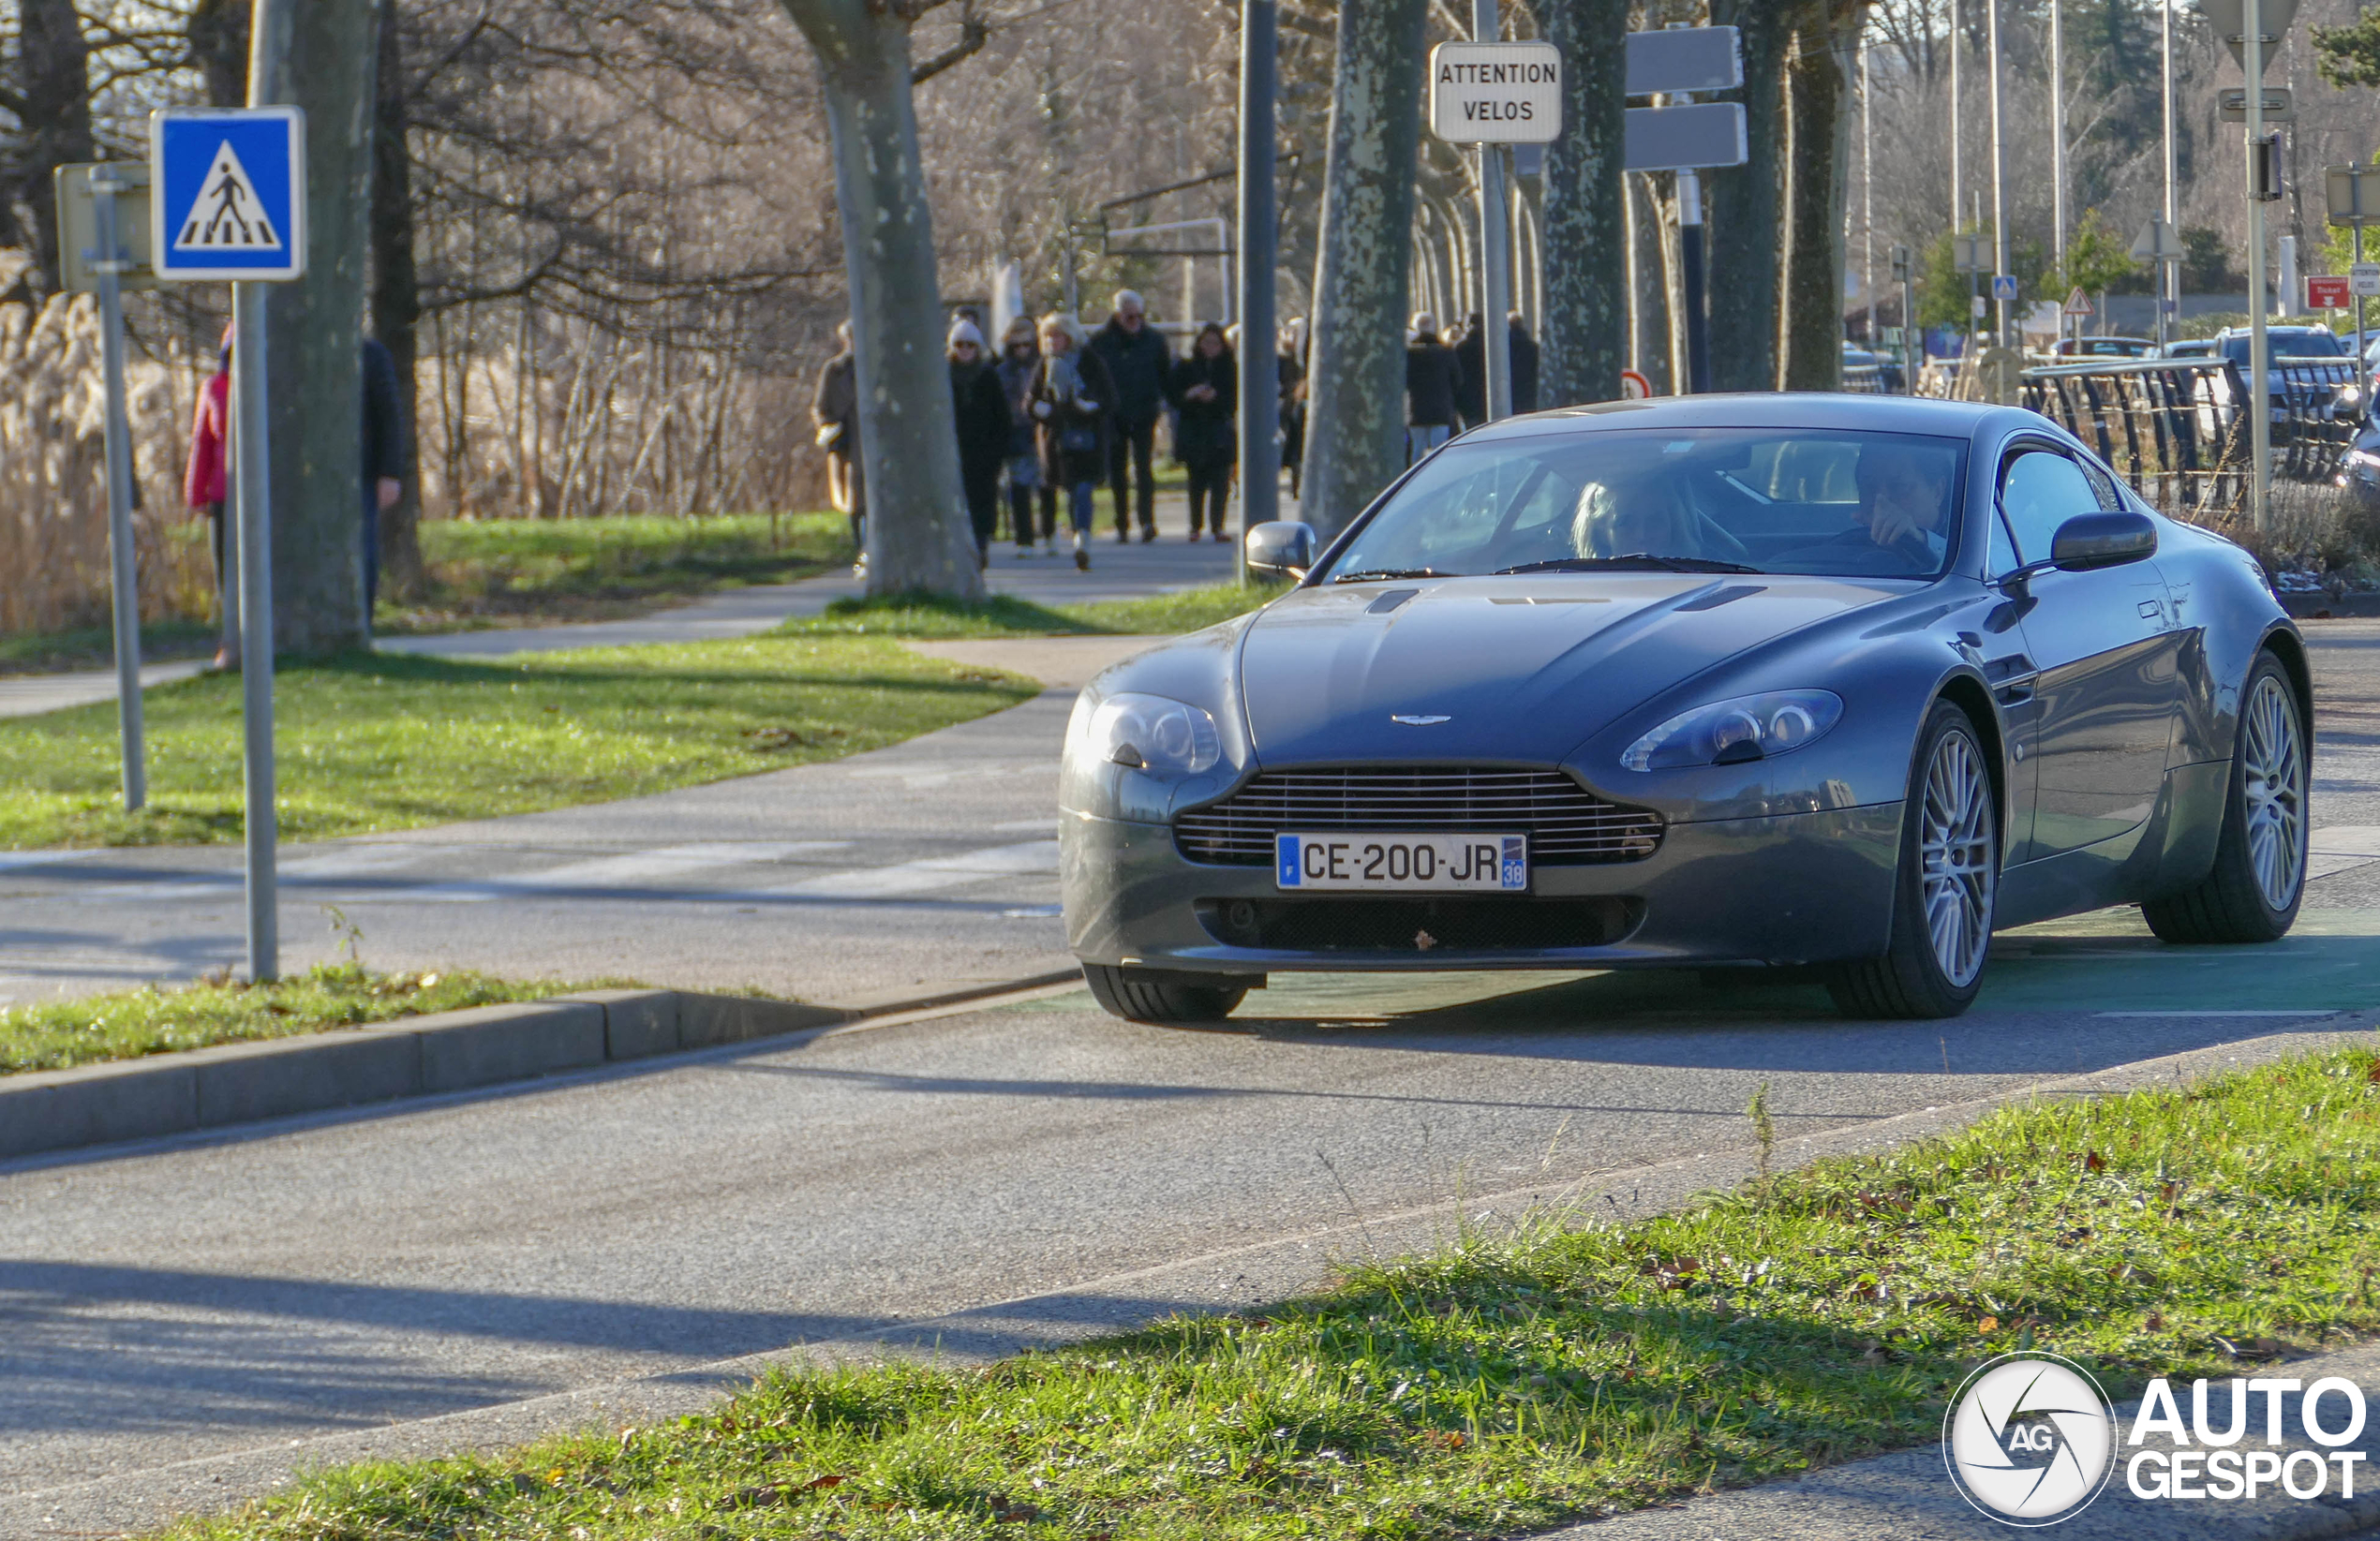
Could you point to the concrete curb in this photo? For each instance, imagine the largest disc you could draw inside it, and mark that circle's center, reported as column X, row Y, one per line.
column 413, row 1057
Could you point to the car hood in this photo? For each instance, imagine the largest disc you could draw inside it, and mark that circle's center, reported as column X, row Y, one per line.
column 1521, row 668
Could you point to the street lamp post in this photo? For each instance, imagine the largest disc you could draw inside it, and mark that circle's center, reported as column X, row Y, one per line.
column 2058, row 142
column 1260, row 348
column 2259, row 403
column 2168, row 274
column 1998, row 188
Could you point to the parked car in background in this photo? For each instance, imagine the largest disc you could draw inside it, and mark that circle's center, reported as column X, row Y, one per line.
column 1872, row 373
column 2105, row 347
column 2307, row 369
column 2185, row 348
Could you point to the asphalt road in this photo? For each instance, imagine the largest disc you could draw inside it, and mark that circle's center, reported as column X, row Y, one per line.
column 173, row 1302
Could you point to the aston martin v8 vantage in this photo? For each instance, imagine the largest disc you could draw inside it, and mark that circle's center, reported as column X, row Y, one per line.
column 1835, row 683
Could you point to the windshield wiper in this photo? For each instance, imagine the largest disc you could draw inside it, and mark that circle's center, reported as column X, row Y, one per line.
column 1373, row 575
column 1635, row 561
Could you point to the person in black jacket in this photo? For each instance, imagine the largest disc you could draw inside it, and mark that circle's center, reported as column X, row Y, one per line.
column 1020, row 362
column 1524, row 365
column 1293, row 350
column 1470, row 395
column 383, row 458
column 1205, row 390
column 1432, row 377
column 1138, row 362
column 982, row 411
column 1073, row 403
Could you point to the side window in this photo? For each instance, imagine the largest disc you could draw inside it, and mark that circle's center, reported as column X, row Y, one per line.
column 2039, row 491
column 2001, row 559
column 2102, row 487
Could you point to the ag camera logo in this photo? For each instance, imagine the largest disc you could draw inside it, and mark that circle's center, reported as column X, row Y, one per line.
column 2030, row 1439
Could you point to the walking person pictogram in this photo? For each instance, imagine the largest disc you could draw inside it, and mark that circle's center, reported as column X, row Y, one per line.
column 226, row 213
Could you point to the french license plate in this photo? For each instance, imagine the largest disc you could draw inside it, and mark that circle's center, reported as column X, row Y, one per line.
column 1459, row 863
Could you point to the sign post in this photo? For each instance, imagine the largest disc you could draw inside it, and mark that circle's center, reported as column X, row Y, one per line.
column 1911, row 351
column 1687, row 137
column 1493, row 95
column 2353, row 192
column 228, row 201
column 102, row 204
column 2159, row 243
column 2251, row 29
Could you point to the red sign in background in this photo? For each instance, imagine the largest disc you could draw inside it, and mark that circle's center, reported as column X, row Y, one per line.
column 2327, row 293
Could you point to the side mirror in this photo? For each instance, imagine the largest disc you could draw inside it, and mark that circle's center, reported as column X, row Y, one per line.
column 2095, row 541
column 1281, row 545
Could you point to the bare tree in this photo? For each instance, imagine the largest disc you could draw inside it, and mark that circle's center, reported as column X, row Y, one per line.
column 1587, row 298
column 397, row 301
column 918, row 535
column 1355, row 412
column 50, row 98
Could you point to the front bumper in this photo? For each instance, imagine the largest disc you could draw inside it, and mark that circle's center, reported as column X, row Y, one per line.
column 1786, row 889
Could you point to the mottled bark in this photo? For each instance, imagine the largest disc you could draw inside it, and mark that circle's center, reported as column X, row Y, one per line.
column 54, row 82
column 319, row 55
column 1649, row 307
column 919, row 534
column 1818, row 179
column 1747, row 224
column 1354, row 408
column 396, row 302
column 1584, row 343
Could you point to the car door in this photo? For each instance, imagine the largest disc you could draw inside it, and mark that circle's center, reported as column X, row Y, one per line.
column 2105, row 661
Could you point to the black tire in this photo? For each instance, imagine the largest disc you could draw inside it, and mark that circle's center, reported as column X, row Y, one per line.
column 1911, row 979
column 2230, row 904
column 1131, row 994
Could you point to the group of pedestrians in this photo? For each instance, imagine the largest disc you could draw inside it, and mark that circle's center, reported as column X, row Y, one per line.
column 1446, row 381
column 1060, row 411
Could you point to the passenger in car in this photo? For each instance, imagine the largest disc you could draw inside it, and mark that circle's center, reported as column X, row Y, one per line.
column 1649, row 520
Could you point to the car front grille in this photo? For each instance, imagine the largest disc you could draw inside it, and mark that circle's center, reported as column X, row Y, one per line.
column 1567, row 825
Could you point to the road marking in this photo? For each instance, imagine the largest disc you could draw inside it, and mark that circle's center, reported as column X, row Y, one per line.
column 922, row 877
column 2163, row 1015
column 632, row 871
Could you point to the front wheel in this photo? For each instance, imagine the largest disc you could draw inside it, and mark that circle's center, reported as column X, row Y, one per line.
column 1135, row 995
column 1942, row 895
column 2259, row 877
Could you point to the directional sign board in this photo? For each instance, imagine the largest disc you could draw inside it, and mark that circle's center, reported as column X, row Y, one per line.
column 2004, row 287
column 1496, row 93
column 78, row 225
column 2363, row 280
column 1684, row 59
column 1681, row 139
column 228, row 194
column 2230, row 18
column 2327, row 293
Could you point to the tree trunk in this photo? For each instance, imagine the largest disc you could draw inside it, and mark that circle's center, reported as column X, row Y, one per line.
column 56, row 82
column 219, row 35
column 1820, row 164
column 1746, row 229
column 396, row 302
column 1584, row 343
column 919, row 536
column 317, row 54
column 1355, row 402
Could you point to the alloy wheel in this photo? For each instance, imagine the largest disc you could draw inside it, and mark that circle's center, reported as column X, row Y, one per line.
column 2273, row 770
column 1955, row 857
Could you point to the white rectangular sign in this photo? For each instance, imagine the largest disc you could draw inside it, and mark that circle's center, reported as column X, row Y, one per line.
column 1496, row 93
column 2363, row 279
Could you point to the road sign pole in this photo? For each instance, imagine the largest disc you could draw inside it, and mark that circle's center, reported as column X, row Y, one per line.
column 1691, row 272
column 1495, row 280
column 124, row 570
column 2356, row 299
column 2259, row 404
column 1999, row 188
column 1259, row 231
column 252, row 487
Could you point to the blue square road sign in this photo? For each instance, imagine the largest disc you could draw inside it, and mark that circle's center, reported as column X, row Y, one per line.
column 228, row 193
column 2004, row 287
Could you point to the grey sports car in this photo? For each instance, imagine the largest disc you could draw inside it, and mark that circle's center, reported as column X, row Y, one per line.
column 1829, row 682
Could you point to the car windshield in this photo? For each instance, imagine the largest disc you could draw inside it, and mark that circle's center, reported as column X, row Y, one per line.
column 1781, row 501
column 2287, row 344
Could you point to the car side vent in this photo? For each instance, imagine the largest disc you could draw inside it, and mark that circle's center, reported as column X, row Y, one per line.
column 1725, row 596
column 1567, row 825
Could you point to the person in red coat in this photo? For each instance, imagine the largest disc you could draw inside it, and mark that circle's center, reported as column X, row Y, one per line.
column 206, row 486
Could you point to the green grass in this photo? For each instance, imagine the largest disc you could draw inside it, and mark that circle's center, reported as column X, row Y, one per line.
column 94, row 647
column 1000, row 615
column 536, row 572
column 378, row 742
column 1571, row 1370
column 127, row 1024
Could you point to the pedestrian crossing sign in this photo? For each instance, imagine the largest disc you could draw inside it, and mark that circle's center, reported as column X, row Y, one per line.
column 228, row 193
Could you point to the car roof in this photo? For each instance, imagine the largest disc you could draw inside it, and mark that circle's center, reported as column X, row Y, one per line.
column 1757, row 410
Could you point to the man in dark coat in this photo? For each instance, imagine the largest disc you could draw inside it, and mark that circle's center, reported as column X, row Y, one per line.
column 1524, row 365
column 982, row 410
column 1432, row 381
column 1470, row 396
column 1138, row 363
column 383, row 458
column 1205, row 390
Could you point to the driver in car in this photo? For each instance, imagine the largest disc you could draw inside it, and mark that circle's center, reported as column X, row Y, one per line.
column 1904, row 500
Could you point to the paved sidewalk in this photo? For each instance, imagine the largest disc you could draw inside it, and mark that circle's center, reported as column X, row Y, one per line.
column 29, row 695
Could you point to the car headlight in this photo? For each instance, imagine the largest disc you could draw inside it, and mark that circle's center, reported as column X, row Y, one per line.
column 1727, row 732
column 1150, row 732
